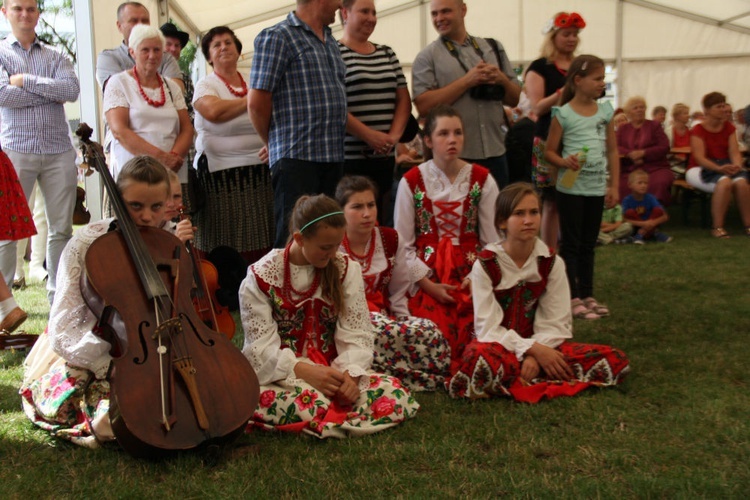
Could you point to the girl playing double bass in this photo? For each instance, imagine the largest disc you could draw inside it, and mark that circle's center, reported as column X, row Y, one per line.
column 66, row 375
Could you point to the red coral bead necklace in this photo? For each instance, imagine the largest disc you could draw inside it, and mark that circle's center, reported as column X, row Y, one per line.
column 151, row 102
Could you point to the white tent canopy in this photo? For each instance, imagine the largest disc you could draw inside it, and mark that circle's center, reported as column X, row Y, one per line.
column 667, row 51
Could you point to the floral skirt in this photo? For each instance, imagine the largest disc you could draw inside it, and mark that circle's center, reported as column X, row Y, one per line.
column 66, row 401
column 295, row 406
column 16, row 222
column 412, row 349
column 489, row 370
column 542, row 173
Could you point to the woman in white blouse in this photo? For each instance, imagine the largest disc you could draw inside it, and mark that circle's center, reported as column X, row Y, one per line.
column 146, row 112
column 238, row 211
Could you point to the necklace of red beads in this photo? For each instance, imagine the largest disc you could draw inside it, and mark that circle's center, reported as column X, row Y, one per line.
column 288, row 290
column 364, row 260
column 241, row 93
column 151, row 102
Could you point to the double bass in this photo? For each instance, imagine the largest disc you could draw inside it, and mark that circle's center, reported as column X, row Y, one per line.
column 175, row 384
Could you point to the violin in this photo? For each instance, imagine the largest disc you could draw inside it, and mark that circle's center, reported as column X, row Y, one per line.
column 206, row 277
column 175, row 384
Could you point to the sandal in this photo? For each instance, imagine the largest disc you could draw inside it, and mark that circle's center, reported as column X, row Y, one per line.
column 600, row 310
column 719, row 232
column 747, row 231
column 580, row 311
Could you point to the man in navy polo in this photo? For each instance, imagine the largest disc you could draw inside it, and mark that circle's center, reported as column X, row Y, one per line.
column 297, row 104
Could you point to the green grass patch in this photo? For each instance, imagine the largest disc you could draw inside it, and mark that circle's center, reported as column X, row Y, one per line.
column 677, row 428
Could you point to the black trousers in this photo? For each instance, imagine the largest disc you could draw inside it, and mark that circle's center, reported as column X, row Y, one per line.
column 293, row 178
column 580, row 218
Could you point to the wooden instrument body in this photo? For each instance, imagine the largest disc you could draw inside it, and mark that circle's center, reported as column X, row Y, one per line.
column 227, row 386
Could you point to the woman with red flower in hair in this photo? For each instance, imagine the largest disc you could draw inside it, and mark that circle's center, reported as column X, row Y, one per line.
column 309, row 337
column 543, row 84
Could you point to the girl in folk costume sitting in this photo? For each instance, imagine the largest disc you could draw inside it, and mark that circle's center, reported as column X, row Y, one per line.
column 445, row 210
column 410, row 348
column 66, row 384
column 309, row 338
column 523, row 317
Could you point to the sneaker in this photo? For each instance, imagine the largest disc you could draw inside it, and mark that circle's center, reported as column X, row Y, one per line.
column 624, row 241
column 662, row 238
column 638, row 239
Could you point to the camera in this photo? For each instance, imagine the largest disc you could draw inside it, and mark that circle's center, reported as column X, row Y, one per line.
column 487, row 92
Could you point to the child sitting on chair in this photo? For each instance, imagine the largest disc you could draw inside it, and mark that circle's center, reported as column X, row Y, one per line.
column 643, row 210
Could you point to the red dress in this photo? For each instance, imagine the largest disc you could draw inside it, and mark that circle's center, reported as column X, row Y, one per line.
column 15, row 217
column 488, row 369
column 451, row 264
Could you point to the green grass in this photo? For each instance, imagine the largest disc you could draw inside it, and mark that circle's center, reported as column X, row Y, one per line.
column 678, row 427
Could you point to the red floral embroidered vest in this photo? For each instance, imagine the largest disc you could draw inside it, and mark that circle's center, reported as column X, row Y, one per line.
column 520, row 302
column 466, row 228
column 305, row 327
column 376, row 284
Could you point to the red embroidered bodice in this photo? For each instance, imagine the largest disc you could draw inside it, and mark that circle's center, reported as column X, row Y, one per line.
column 429, row 214
column 520, row 302
column 304, row 328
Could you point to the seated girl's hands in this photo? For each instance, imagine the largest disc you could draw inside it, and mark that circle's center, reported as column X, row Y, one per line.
column 348, row 393
column 438, row 291
column 551, row 361
column 529, row 369
column 466, row 285
column 185, row 230
column 324, row 378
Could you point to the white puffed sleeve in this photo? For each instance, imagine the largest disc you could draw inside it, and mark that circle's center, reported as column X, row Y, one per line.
column 399, row 283
column 355, row 333
column 487, row 228
column 404, row 222
column 71, row 321
column 262, row 342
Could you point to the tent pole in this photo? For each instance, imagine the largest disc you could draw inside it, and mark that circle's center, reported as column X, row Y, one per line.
column 83, row 15
column 618, row 52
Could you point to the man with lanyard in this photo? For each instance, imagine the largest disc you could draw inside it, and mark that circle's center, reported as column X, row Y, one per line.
column 35, row 81
column 473, row 76
column 297, row 104
column 117, row 60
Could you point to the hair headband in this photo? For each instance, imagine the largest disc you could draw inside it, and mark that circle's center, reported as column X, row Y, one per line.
column 319, row 219
column 563, row 21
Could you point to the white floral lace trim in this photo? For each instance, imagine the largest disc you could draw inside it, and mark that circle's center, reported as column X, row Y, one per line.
column 436, row 181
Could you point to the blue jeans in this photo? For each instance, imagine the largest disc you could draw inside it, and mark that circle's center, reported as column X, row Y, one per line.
column 293, row 178
column 498, row 167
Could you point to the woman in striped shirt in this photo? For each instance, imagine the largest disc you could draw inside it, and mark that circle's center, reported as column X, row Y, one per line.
column 377, row 98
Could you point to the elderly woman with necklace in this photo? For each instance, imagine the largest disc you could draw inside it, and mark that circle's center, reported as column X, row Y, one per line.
column 238, row 210
column 146, row 113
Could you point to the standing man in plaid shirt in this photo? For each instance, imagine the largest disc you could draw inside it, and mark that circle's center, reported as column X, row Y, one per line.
column 35, row 81
column 298, row 105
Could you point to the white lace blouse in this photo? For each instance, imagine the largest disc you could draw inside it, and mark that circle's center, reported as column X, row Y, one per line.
column 439, row 188
column 158, row 126
column 354, row 331
column 553, row 322
column 70, row 320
